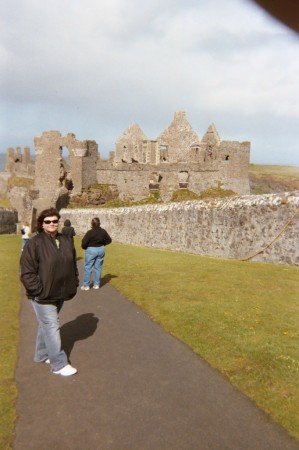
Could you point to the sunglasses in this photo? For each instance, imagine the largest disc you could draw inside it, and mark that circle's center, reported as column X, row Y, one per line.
column 47, row 222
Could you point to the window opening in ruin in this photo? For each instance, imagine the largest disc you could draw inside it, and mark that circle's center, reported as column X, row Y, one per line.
column 183, row 179
column 163, row 153
column 65, row 155
column 154, row 182
column 227, row 158
column 154, row 187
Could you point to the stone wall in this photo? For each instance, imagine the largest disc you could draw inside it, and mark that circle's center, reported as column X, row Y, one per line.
column 235, row 227
column 4, row 177
column 8, row 221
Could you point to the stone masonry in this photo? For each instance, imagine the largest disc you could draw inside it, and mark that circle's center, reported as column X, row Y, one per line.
column 8, row 221
column 177, row 159
column 229, row 228
column 54, row 176
column 19, row 163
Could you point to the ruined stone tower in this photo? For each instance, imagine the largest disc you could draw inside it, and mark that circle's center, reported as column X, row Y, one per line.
column 54, row 175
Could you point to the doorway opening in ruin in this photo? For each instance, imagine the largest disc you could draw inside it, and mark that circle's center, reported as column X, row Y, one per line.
column 65, row 169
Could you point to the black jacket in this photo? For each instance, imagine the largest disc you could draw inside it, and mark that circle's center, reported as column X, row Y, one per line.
column 96, row 237
column 48, row 272
column 68, row 231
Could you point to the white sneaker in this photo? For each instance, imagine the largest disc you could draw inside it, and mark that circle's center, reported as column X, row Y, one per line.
column 47, row 361
column 85, row 288
column 66, row 371
column 95, row 286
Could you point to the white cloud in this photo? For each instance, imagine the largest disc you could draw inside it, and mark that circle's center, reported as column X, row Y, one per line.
column 94, row 67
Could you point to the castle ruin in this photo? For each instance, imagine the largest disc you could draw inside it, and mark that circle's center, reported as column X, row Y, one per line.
column 176, row 159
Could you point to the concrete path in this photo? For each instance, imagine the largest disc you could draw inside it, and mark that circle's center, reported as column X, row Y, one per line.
column 137, row 388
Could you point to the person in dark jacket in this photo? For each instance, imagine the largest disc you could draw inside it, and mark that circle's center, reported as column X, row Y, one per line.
column 49, row 273
column 68, row 230
column 94, row 243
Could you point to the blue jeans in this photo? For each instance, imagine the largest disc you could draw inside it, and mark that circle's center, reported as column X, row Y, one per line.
column 48, row 341
column 24, row 243
column 94, row 258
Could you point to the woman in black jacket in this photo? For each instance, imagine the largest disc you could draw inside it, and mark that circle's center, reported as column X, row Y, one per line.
column 50, row 276
column 94, row 243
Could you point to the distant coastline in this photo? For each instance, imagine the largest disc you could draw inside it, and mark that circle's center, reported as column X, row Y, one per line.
column 2, row 161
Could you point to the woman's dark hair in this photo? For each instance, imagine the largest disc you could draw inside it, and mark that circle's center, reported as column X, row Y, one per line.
column 95, row 222
column 50, row 212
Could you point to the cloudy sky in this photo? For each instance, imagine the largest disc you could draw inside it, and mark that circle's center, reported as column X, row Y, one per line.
column 93, row 67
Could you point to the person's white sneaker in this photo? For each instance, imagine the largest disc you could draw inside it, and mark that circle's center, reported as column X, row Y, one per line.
column 85, row 288
column 47, row 361
column 66, row 371
column 95, row 286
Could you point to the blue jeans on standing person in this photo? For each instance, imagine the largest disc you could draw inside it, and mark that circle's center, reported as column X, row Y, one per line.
column 24, row 243
column 94, row 258
column 48, row 341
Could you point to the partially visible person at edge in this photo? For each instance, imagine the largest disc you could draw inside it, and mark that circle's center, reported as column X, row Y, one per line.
column 68, row 230
column 94, row 243
column 25, row 231
column 50, row 276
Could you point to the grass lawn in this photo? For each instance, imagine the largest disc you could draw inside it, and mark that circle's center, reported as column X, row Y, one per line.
column 242, row 317
column 10, row 247
column 284, row 171
column 267, row 179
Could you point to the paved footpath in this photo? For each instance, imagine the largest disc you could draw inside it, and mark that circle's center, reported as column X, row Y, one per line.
column 137, row 388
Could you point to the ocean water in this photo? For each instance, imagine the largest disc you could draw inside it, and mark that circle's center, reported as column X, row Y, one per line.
column 2, row 161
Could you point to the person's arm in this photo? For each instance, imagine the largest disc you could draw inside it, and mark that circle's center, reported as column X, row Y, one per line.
column 85, row 240
column 107, row 238
column 75, row 265
column 29, row 270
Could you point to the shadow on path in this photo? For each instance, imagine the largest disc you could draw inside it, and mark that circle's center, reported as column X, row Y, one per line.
column 107, row 278
column 81, row 328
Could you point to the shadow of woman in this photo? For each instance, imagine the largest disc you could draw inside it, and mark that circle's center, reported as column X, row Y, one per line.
column 106, row 278
column 81, row 328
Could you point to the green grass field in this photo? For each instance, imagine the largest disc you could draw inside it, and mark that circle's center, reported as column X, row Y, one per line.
column 241, row 317
column 269, row 179
column 285, row 171
column 9, row 324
